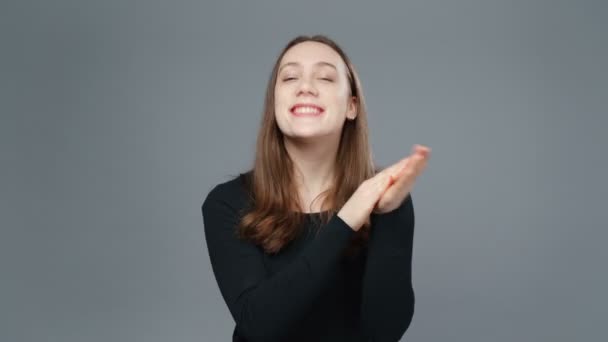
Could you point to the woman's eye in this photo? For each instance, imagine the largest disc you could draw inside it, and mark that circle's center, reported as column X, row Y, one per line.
column 322, row 78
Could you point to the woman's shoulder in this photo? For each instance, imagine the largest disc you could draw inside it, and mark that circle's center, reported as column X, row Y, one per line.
column 234, row 190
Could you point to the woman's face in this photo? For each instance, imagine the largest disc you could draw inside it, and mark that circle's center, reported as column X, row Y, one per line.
column 312, row 94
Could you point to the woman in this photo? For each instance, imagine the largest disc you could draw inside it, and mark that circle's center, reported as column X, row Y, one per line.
column 293, row 267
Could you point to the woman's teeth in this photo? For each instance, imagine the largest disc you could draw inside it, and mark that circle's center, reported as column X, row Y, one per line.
column 306, row 110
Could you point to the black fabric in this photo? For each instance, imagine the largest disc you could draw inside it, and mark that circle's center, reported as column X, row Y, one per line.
column 308, row 291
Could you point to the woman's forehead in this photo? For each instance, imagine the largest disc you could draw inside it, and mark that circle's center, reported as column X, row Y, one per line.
column 311, row 54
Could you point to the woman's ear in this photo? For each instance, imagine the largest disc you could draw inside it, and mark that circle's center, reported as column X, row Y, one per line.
column 351, row 113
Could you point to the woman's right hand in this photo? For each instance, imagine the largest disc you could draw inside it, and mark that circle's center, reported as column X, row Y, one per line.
column 359, row 206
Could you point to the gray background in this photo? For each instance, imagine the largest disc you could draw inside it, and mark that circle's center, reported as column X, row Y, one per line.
column 119, row 116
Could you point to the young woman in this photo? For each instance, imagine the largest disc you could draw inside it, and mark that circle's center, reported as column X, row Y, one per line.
column 314, row 243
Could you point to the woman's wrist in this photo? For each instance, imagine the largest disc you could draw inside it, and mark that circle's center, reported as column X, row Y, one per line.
column 348, row 220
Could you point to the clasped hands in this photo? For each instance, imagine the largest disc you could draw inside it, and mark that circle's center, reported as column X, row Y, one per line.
column 385, row 191
column 402, row 176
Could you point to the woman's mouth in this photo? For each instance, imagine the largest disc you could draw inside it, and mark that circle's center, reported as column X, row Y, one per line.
column 304, row 110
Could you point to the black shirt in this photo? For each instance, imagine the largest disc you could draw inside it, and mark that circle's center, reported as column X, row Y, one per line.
column 308, row 291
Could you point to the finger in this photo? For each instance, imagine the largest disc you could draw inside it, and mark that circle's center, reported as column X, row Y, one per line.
column 410, row 171
column 421, row 148
column 383, row 183
column 407, row 167
column 399, row 190
column 421, row 162
column 395, row 168
column 407, row 176
column 381, row 180
column 391, row 179
column 400, row 166
column 418, row 165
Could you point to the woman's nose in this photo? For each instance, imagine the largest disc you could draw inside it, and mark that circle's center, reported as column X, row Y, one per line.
column 307, row 87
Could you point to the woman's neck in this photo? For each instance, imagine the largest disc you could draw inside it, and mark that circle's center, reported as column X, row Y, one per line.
column 314, row 166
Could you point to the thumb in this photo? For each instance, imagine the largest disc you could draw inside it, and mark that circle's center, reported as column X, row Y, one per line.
column 386, row 187
column 385, row 183
column 391, row 179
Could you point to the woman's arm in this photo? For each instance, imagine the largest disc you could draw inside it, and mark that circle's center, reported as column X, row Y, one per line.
column 265, row 307
column 387, row 302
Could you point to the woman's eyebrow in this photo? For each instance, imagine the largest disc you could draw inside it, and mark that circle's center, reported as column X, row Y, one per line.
column 322, row 63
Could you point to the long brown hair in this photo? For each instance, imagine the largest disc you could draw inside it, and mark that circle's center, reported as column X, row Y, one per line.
column 274, row 219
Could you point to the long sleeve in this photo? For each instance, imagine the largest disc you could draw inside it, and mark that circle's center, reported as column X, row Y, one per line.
column 266, row 307
column 387, row 302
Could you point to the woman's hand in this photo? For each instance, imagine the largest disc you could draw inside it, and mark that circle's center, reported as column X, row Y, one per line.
column 359, row 206
column 403, row 174
column 385, row 191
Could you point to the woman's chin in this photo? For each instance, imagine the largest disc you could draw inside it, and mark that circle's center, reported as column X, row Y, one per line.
column 307, row 136
column 310, row 137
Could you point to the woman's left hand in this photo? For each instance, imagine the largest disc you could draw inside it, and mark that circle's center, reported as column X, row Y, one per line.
column 403, row 180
